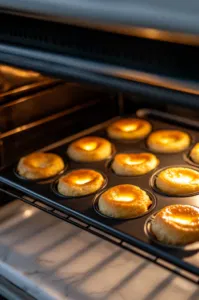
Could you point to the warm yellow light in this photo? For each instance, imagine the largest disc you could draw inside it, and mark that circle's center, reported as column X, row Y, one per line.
column 124, row 197
column 131, row 162
column 182, row 179
column 181, row 220
column 128, row 128
column 18, row 72
column 152, row 33
column 89, row 146
column 82, row 180
column 27, row 213
column 166, row 140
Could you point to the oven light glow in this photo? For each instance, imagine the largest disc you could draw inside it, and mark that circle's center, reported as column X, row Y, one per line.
column 130, row 127
column 165, row 140
column 124, row 197
column 28, row 213
column 82, row 180
column 182, row 179
column 131, row 162
column 152, row 33
column 89, row 146
column 181, row 220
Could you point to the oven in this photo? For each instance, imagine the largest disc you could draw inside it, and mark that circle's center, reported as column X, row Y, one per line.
column 87, row 78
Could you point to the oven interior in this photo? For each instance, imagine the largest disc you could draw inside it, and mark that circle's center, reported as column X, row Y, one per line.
column 57, row 111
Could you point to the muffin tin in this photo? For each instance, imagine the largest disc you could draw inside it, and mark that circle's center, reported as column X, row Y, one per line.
column 131, row 231
column 55, row 183
column 151, row 207
column 152, row 182
column 41, row 179
column 151, row 236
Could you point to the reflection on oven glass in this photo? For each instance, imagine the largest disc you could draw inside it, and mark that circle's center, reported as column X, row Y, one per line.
column 12, row 78
column 28, row 213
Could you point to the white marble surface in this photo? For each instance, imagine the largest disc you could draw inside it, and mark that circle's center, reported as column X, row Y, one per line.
column 52, row 259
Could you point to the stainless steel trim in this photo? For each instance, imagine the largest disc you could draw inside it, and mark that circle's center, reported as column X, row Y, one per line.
column 144, row 112
column 11, row 291
column 169, row 21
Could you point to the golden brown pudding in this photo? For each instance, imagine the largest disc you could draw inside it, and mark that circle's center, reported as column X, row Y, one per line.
column 133, row 164
column 178, row 181
column 194, row 154
column 124, row 201
column 129, row 129
column 80, row 182
column 40, row 165
column 176, row 224
column 90, row 148
column 168, row 141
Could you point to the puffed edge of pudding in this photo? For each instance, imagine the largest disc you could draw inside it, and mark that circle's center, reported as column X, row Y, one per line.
column 134, row 135
column 170, row 233
column 32, row 173
column 118, row 210
column 71, row 190
column 80, row 155
column 134, row 170
column 194, row 154
column 172, row 188
column 175, row 148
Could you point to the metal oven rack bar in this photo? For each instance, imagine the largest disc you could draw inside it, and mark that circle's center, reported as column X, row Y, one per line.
column 108, row 237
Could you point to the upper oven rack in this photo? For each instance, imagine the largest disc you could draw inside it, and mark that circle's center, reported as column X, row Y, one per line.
column 116, row 60
column 124, row 79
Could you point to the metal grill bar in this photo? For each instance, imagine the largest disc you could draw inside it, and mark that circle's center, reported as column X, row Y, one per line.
column 79, row 223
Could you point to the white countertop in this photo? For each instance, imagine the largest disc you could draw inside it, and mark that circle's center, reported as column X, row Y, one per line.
column 52, row 259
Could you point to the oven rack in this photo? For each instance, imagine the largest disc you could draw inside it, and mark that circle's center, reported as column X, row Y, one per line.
column 95, row 231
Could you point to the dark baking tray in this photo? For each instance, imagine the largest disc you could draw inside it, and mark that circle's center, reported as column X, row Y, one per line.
column 132, row 230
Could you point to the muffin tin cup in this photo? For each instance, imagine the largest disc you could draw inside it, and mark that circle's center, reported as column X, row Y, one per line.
column 152, row 182
column 113, row 152
column 192, row 141
column 109, row 169
column 55, row 183
column 129, row 141
column 187, row 158
column 151, row 208
column 40, row 179
column 151, row 236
